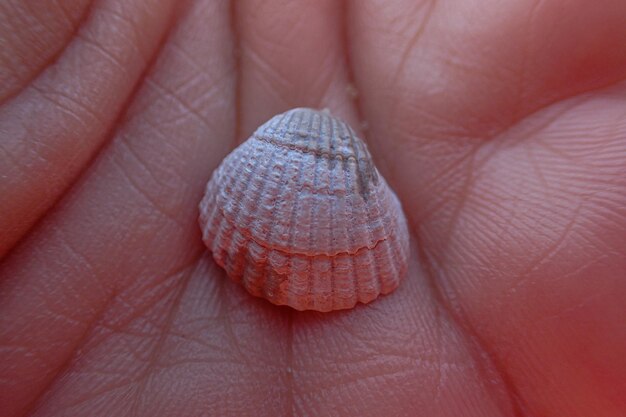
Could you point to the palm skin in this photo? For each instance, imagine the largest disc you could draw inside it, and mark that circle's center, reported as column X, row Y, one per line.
column 501, row 126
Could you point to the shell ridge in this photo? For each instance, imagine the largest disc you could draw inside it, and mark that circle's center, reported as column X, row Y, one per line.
column 322, row 154
column 218, row 214
column 247, row 278
column 218, row 218
column 211, row 193
column 350, row 185
column 236, row 184
column 314, row 219
column 379, row 273
column 333, row 259
column 239, row 190
column 208, row 210
column 331, row 179
column 307, row 254
column 269, row 268
column 244, row 182
column 284, row 124
column 342, row 143
column 387, row 226
column 402, row 248
column 313, row 225
column 243, row 254
column 333, row 207
column 392, row 247
column 294, row 208
column 266, row 163
column 372, row 253
column 361, row 178
column 232, row 218
column 248, row 274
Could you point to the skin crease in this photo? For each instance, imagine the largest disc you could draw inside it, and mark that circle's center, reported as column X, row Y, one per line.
column 500, row 124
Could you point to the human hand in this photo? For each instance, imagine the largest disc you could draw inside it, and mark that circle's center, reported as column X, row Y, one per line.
column 500, row 125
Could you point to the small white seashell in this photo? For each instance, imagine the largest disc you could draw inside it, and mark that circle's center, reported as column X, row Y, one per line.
column 299, row 215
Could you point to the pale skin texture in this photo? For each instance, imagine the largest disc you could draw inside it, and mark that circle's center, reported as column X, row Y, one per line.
column 500, row 124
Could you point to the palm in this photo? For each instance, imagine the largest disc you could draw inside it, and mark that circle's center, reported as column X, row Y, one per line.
column 500, row 126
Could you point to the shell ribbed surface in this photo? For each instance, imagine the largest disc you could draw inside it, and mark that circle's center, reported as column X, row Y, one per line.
column 299, row 215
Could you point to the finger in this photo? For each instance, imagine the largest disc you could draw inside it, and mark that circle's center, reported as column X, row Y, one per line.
column 32, row 37
column 291, row 55
column 511, row 226
column 442, row 77
column 59, row 120
column 126, row 236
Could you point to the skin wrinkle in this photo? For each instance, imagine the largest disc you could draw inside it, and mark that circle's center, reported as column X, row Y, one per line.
column 87, row 10
column 585, row 302
column 102, row 145
column 538, row 171
column 276, row 78
column 207, row 96
column 352, row 379
column 327, row 83
column 449, row 170
column 13, row 159
column 469, row 181
column 156, row 353
column 224, row 310
column 169, row 210
column 99, row 323
column 107, row 389
column 490, row 136
column 155, row 282
column 553, row 250
column 413, row 40
column 146, row 197
column 289, row 367
column 180, row 275
column 369, row 350
column 135, row 33
column 475, row 68
column 483, row 358
column 65, row 365
column 91, row 43
column 127, row 144
column 523, row 72
column 548, row 253
column 65, row 241
column 81, row 340
column 237, row 53
column 270, row 76
column 64, row 12
column 183, row 277
column 503, row 141
column 59, row 103
column 384, row 348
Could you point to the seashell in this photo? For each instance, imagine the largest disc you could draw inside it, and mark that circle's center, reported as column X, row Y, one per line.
column 299, row 215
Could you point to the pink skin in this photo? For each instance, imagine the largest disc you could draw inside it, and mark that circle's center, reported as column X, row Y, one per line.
column 500, row 124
